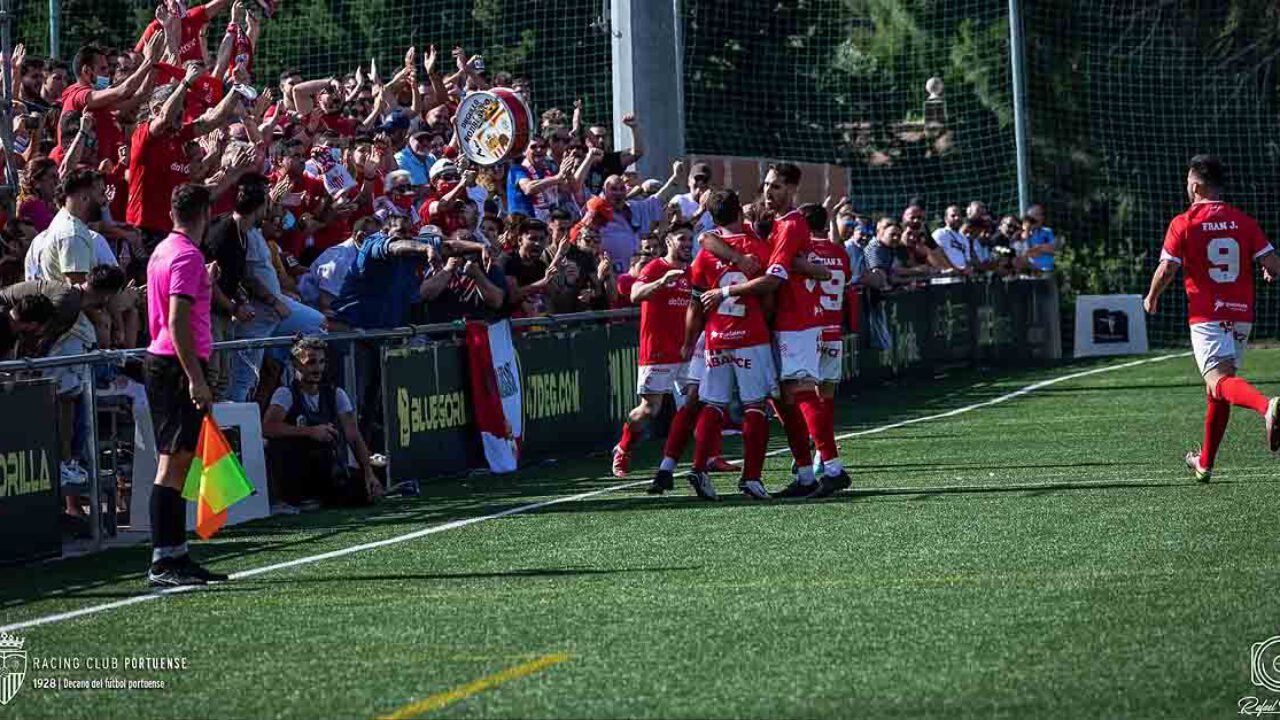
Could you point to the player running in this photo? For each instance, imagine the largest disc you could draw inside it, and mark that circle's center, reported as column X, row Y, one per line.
column 738, row 353
column 1215, row 244
column 797, row 333
column 662, row 291
column 831, row 295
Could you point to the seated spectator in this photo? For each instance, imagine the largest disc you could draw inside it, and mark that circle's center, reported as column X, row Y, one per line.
column 953, row 243
column 322, row 284
column 1042, row 246
column 382, row 282
column 528, row 273
column 470, row 285
column 313, row 442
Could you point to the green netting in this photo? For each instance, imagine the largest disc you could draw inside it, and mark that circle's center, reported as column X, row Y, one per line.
column 558, row 44
column 1122, row 93
column 843, row 81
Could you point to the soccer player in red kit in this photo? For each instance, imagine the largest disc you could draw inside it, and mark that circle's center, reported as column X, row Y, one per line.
column 830, row 294
column 662, row 292
column 738, row 352
column 797, row 334
column 1215, row 245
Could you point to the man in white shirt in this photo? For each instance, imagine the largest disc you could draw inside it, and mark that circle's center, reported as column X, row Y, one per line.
column 952, row 241
column 688, row 203
column 64, row 252
column 323, row 282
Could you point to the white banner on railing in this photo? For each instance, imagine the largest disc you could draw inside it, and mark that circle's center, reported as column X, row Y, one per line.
column 1110, row 325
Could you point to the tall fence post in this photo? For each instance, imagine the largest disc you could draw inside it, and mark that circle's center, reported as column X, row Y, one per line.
column 95, row 472
column 1017, row 57
column 55, row 24
column 647, row 54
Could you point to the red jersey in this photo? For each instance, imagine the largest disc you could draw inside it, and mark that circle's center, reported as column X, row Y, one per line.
column 797, row 305
column 157, row 165
column 829, row 294
column 311, row 203
column 340, row 125
column 1216, row 245
column 738, row 322
column 196, row 18
column 107, row 132
column 205, row 92
column 662, row 315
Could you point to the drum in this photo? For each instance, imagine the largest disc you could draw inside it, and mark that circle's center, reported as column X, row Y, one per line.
column 493, row 126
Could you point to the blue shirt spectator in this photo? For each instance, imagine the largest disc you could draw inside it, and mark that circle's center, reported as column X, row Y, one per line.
column 416, row 158
column 1038, row 237
column 382, row 282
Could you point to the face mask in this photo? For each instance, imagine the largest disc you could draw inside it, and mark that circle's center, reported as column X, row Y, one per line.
column 289, row 221
column 101, row 82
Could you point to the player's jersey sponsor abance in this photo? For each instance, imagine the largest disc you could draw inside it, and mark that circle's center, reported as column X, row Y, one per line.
column 662, row 315
column 738, row 322
column 1216, row 244
column 798, row 307
column 829, row 294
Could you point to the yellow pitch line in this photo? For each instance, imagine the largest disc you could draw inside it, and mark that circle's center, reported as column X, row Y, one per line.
column 448, row 697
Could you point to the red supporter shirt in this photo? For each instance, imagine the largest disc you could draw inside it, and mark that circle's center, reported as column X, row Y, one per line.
column 106, row 129
column 738, row 322
column 797, row 305
column 1216, row 245
column 340, row 125
column 313, row 198
column 830, row 293
column 205, row 92
column 157, row 165
column 196, row 18
column 662, row 315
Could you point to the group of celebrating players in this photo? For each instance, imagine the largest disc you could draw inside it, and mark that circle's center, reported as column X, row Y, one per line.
column 761, row 321
column 755, row 320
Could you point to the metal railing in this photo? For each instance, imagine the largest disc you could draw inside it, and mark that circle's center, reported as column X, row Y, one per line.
column 99, row 358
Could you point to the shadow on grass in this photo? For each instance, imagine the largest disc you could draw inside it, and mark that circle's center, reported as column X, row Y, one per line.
column 446, row 500
column 529, row 573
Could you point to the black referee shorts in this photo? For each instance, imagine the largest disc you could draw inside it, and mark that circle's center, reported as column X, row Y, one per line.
column 176, row 419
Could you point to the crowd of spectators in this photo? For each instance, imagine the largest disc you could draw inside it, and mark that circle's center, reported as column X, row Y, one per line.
column 344, row 202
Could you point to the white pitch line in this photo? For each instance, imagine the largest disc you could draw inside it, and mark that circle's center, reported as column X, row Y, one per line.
column 104, row 607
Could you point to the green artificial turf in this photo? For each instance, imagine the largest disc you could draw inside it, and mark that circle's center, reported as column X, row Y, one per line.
column 1046, row 556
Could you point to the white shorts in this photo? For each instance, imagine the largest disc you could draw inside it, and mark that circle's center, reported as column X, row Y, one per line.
column 658, row 379
column 1214, row 343
column 830, row 361
column 76, row 341
column 692, row 372
column 798, row 352
column 748, row 369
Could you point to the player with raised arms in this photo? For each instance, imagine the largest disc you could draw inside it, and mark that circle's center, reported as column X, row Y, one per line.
column 1215, row 244
column 738, row 353
column 797, row 332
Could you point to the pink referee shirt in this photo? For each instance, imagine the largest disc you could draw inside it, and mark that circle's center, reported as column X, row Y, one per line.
column 177, row 268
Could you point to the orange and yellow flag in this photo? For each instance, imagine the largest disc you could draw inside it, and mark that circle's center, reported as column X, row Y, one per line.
column 216, row 481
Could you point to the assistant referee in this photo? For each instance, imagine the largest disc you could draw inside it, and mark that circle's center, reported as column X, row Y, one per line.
column 178, row 294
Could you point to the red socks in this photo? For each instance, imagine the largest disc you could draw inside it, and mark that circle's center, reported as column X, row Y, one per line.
column 755, row 442
column 686, row 418
column 710, row 421
column 797, row 432
column 1238, row 391
column 627, row 438
column 820, row 424
column 1215, row 426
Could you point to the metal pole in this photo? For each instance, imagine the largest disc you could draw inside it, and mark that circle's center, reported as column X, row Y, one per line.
column 95, row 481
column 349, row 378
column 1016, row 58
column 55, row 18
column 6, row 117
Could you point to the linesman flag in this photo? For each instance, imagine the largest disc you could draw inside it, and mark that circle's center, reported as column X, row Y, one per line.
column 216, row 481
